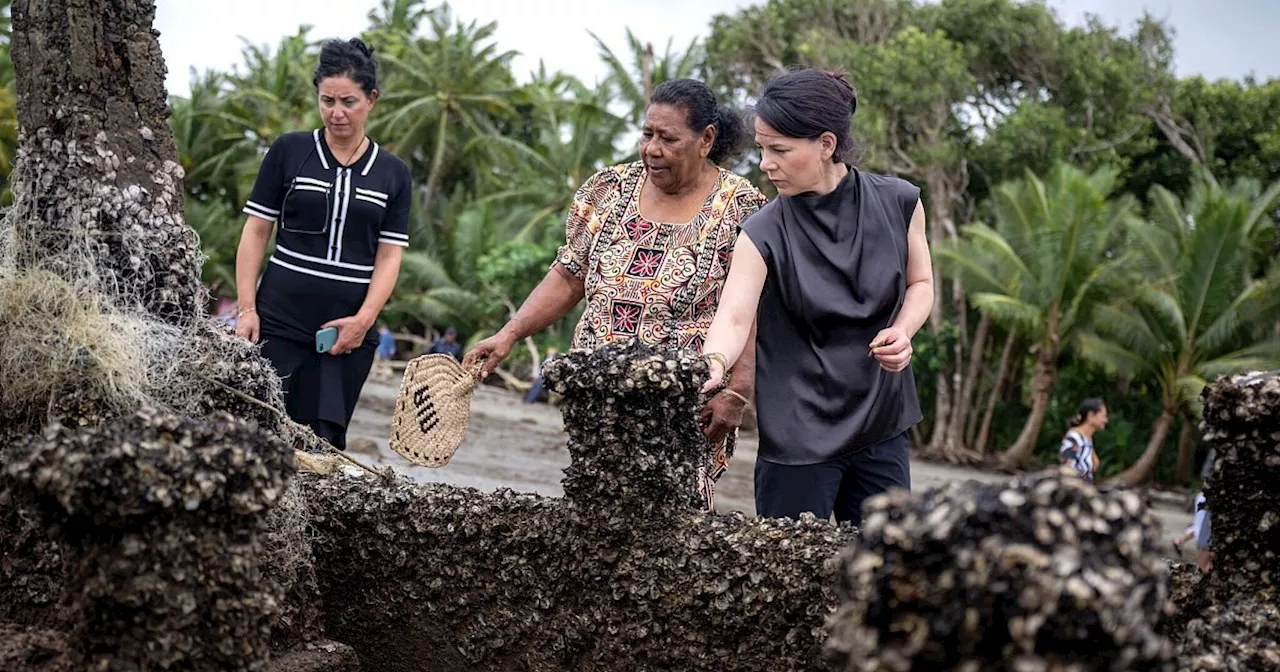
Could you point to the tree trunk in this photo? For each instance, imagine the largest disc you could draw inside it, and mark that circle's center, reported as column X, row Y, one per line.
column 97, row 186
column 1186, row 450
column 1141, row 471
column 997, row 388
column 939, row 220
column 441, row 227
column 962, row 413
column 1042, row 381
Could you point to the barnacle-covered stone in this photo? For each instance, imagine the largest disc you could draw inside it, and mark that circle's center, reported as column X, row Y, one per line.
column 622, row 574
column 1242, row 419
column 1046, row 572
column 159, row 519
column 1229, row 619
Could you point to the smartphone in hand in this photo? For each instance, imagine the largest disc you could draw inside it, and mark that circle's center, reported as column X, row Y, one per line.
column 325, row 338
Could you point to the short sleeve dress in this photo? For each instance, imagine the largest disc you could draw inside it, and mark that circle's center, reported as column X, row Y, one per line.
column 329, row 221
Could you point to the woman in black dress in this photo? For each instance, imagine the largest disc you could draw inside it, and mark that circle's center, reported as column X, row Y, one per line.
column 339, row 205
column 838, row 269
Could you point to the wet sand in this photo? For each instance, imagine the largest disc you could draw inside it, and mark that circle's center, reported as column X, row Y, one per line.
column 522, row 447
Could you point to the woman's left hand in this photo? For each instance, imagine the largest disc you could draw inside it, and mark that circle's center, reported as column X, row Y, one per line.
column 892, row 348
column 351, row 331
column 715, row 376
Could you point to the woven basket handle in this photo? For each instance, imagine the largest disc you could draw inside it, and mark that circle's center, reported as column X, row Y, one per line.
column 468, row 381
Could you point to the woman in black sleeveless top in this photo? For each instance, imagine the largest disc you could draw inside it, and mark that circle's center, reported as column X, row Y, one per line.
column 838, row 269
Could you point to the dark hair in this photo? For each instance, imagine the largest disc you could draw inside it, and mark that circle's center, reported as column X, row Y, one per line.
column 1087, row 407
column 807, row 103
column 702, row 110
column 353, row 59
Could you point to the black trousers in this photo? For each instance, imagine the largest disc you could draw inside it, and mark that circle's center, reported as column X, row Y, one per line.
column 320, row 390
column 838, row 486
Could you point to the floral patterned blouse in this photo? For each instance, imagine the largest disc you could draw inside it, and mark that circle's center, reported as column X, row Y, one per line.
column 655, row 281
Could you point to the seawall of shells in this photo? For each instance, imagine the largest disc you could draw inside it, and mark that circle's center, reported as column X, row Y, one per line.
column 621, row 574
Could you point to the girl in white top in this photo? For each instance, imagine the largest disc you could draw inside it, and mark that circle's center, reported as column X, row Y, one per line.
column 1077, row 445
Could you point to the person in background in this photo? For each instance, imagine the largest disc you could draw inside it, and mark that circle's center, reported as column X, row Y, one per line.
column 1077, row 446
column 838, row 267
column 338, row 205
column 386, row 343
column 535, row 390
column 648, row 245
column 447, row 345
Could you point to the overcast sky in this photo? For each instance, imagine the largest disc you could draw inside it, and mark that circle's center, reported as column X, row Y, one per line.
column 1223, row 38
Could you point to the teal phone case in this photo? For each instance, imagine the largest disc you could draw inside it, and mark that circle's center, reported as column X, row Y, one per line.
column 325, row 338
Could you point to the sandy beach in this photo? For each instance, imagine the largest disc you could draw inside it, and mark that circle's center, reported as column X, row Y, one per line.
column 522, row 447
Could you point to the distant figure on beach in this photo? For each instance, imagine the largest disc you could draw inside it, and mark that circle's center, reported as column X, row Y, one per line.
column 338, row 204
column 838, row 268
column 649, row 244
column 386, row 343
column 535, row 390
column 447, row 344
column 1077, row 446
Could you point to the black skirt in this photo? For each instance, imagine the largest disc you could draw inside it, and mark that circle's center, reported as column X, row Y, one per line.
column 320, row 390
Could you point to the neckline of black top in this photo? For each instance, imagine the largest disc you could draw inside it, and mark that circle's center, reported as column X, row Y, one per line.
column 814, row 199
column 329, row 154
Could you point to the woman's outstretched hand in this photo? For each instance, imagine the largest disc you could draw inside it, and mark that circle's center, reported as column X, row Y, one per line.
column 489, row 353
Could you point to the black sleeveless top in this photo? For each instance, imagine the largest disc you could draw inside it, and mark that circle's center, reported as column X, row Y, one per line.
column 837, row 275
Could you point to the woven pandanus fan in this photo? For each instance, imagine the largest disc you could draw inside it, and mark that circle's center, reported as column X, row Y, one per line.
column 432, row 410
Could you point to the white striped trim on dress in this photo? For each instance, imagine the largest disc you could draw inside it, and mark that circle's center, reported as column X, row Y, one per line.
column 372, row 157
column 344, row 179
column 312, row 181
column 319, row 274
column 261, row 211
column 394, row 241
column 311, row 187
column 326, row 262
column 320, row 150
column 370, row 199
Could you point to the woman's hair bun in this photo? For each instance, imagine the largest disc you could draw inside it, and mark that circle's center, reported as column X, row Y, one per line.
column 364, row 48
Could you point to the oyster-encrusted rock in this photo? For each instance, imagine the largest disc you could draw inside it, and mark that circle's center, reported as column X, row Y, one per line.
column 622, row 574
column 1046, row 572
column 159, row 518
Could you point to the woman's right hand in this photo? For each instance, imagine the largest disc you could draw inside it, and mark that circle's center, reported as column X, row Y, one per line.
column 491, row 351
column 247, row 326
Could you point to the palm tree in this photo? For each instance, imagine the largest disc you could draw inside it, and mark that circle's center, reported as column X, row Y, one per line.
column 442, row 90
column 636, row 80
column 1204, row 310
column 568, row 135
column 1044, row 268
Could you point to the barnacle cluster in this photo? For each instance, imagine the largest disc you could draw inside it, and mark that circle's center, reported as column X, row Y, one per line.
column 621, row 574
column 1232, row 616
column 159, row 519
column 1045, row 572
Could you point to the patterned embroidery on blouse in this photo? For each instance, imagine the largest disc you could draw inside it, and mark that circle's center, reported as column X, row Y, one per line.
column 642, row 271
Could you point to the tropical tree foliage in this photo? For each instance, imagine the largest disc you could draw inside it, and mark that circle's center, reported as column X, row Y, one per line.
column 1074, row 186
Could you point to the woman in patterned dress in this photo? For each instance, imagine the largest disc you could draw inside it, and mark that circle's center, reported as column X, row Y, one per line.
column 648, row 245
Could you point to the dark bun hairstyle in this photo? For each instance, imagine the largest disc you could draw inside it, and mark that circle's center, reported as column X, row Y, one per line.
column 703, row 110
column 352, row 58
column 809, row 102
column 1087, row 407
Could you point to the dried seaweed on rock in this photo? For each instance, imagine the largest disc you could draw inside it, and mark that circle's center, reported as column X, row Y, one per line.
column 1045, row 572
